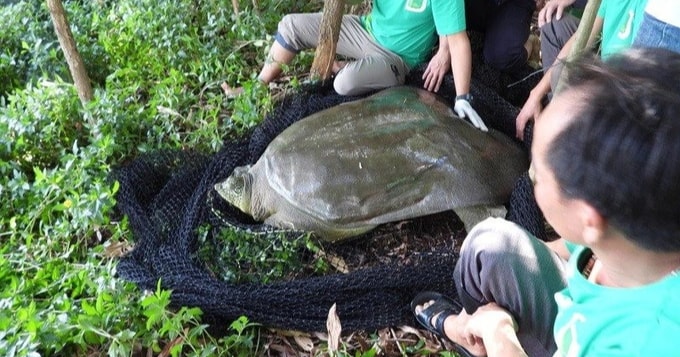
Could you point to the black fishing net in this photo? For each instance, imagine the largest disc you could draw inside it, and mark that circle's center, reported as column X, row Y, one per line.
column 175, row 214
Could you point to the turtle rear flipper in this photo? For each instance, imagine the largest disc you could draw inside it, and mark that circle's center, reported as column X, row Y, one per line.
column 472, row 215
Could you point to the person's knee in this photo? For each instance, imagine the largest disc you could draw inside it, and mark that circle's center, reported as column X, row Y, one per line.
column 286, row 32
column 287, row 23
column 345, row 87
column 349, row 81
column 483, row 254
column 490, row 238
column 506, row 59
column 548, row 31
column 559, row 31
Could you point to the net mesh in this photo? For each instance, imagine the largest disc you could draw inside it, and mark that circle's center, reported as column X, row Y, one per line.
column 168, row 197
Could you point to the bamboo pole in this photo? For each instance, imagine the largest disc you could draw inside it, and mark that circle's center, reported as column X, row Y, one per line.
column 329, row 33
column 68, row 45
column 585, row 27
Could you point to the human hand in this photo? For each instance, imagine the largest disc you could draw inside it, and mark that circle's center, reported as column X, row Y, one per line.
column 474, row 345
column 553, row 7
column 488, row 323
column 465, row 110
column 436, row 69
column 531, row 110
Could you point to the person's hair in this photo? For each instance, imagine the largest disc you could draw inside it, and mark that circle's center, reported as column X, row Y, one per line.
column 621, row 151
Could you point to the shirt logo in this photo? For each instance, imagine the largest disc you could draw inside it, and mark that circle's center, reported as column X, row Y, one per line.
column 626, row 30
column 416, row 5
column 567, row 337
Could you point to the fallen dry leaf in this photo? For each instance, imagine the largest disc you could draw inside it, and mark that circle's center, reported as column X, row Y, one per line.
column 304, row 342
column 334, row 260
column 166, row 350
column 282, row 350
column 410, row 330
column 334, row 328
column 117, row 249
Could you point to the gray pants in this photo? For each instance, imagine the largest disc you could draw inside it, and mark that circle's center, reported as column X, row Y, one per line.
column 499, row 262
column 554, row 35
column 374, row 67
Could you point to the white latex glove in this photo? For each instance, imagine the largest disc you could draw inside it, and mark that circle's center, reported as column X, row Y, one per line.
column 465, row 110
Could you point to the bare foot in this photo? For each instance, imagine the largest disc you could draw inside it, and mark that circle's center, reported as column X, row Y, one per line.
column 337, row 66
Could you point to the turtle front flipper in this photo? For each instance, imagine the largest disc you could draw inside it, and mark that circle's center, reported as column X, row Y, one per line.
column 474, row 214
column 237, row 189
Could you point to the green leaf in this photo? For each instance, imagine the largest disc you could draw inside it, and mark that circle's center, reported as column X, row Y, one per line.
column 88, row 308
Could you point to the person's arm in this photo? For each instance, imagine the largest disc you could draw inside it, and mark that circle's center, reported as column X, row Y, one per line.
column 438, row 66
column 461, row 66
column 532, row 107
column 461, row 61
column 497, row 329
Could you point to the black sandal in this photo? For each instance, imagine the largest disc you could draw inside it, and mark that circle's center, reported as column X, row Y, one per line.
column 442, row 307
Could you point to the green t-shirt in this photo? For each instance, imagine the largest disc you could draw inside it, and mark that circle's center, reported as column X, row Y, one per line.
column 621, row 21
column 594, row 320
column 408, row 27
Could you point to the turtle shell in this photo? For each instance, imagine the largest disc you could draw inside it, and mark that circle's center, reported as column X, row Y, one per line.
column 398, row 154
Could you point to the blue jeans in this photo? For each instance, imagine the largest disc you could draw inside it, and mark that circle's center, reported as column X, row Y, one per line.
column 655, row 33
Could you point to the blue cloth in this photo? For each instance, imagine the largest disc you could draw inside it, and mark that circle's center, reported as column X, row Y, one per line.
column 656, row 33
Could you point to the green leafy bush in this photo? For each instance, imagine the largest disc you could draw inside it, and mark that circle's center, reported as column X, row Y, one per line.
column 156, row 69
column 40, row 124
column 239, row 257
column 28, row 46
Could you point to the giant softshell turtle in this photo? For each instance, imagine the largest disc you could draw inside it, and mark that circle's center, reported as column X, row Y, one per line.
column 398, row 154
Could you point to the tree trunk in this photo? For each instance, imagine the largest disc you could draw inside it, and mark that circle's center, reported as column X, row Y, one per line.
column 585, row 27
column 329, row 33
column 68, row 45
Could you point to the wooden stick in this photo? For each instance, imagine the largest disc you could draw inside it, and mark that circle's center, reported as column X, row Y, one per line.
column 68, row 45
column 234, row 4
column 329, row 33
column 585, row 27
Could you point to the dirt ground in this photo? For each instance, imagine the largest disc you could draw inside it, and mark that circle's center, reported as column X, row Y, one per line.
column 386, row 244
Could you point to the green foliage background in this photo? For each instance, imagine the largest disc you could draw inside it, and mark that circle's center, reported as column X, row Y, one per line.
column 156, row 68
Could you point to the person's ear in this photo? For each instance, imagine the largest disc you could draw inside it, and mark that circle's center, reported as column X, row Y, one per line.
column 593, row 223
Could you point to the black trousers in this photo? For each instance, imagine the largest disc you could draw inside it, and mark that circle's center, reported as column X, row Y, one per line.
column 506, row 25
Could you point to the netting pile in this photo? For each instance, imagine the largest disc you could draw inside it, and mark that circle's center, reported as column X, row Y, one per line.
column 169, row 195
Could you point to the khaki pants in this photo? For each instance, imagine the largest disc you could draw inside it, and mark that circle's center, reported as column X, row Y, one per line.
column 374, row 67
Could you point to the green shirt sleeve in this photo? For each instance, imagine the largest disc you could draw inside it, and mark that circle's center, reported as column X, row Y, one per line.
column 449, row 16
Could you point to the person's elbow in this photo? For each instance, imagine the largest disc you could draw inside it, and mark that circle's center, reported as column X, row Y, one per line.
column 458, row 42
column 457, row 37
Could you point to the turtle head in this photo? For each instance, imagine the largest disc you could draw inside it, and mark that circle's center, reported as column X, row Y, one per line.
column 237, row 188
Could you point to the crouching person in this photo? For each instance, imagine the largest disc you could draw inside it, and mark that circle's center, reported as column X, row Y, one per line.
column 606, row 156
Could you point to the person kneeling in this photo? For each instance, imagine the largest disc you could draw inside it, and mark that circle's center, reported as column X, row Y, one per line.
column 606, row 177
